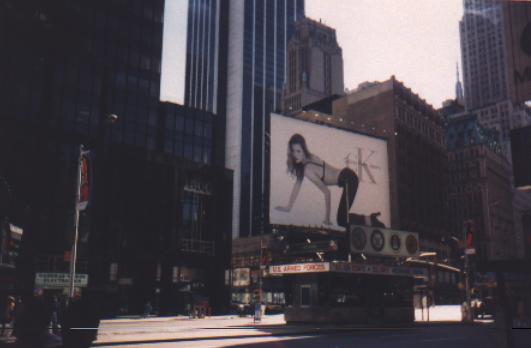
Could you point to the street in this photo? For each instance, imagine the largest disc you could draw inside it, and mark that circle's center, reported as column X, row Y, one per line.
column 434, row 336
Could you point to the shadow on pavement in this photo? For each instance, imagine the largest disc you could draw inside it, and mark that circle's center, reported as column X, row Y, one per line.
column 441, row 336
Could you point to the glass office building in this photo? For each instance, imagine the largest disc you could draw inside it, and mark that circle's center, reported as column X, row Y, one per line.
column 258, row 34
column 150, row 232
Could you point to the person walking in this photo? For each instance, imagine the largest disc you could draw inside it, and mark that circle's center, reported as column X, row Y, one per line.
column 8, row 312
column 148, row 308
column 32, row 326
column 55, row 308
column 81, row 313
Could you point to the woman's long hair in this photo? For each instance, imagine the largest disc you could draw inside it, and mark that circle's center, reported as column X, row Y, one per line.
column 294, row 168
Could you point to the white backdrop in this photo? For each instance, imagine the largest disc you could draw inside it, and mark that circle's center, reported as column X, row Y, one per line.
column 333, row 146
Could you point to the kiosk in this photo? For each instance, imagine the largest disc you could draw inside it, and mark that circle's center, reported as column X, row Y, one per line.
column 343, row 292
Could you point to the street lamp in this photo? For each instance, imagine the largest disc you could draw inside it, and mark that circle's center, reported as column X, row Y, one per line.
column 110, row 119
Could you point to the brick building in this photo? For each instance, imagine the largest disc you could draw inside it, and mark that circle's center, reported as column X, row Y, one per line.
column 418, row 165
column 480, row 186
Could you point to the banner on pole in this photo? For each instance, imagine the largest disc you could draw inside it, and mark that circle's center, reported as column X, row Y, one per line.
column 85, row 185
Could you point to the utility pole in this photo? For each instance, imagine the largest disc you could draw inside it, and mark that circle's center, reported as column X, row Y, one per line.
column 73, row 253
column 467, row 290
column 467, row 275
column 258, row 305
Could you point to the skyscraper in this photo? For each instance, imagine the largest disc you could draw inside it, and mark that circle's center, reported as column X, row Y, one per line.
column 202, row 54
column 485, row 68
column 459, row 93
column 315, row 65
column 235, row 67
column 483, row 53
column 258, row 33
column 72, row 64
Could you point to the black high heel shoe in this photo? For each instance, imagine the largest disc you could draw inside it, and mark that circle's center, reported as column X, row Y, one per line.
column 375, row 222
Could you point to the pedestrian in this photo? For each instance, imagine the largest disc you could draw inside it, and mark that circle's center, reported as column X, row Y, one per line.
column 521, row 321
column 32, row 329
column 55, row 307
column 7, row 313
column 17, row 313
column 464, row 311
column 189, row 310
column 81, row 320
column 147, row 309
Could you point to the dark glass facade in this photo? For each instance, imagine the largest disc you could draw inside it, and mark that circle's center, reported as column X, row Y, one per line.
column 67, row 65
column 202, row 54
column 268, row 26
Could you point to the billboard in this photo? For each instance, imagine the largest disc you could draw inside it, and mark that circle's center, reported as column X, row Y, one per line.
column 326, row 177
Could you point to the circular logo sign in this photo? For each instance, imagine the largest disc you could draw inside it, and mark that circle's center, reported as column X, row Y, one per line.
column 377, row 240
column 358, row 239
column 525, row 39
column 395, row 242
column 412, row 244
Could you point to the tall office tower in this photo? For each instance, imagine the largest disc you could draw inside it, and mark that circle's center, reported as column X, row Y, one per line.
column 206, row 61
column 315, row 66
column 485, row 69
column 483, row 53
column 65, row 66
column 202, row 54
column 459, row 93
column 258, row 33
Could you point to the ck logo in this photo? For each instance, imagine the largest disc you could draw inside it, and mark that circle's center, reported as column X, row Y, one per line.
column 362, row 160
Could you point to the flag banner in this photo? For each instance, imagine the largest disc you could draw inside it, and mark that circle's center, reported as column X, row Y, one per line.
column 85, row 185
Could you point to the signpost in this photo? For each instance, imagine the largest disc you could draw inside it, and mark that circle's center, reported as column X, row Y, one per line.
column 73, row 256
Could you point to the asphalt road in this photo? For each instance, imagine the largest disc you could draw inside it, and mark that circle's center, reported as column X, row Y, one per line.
column 447, row 336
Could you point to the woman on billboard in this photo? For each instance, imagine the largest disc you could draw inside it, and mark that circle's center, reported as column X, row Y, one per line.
column 302, row 164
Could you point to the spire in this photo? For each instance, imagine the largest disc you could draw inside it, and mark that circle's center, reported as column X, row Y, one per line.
column 459, row 95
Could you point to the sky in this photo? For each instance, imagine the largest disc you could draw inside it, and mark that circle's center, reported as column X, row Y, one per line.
column 415, row 40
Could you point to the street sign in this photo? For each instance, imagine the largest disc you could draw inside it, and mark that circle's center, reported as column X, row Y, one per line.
column 297, row 268
column 59, row 280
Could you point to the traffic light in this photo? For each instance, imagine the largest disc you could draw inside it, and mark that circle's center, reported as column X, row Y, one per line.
column 470, row 232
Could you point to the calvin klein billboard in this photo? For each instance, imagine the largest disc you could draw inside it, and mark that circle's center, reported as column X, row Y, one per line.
column 326, row 177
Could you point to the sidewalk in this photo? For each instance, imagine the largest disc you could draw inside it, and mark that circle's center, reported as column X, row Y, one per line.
column 447, row 313
column 181, row 328
column 174, row 330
